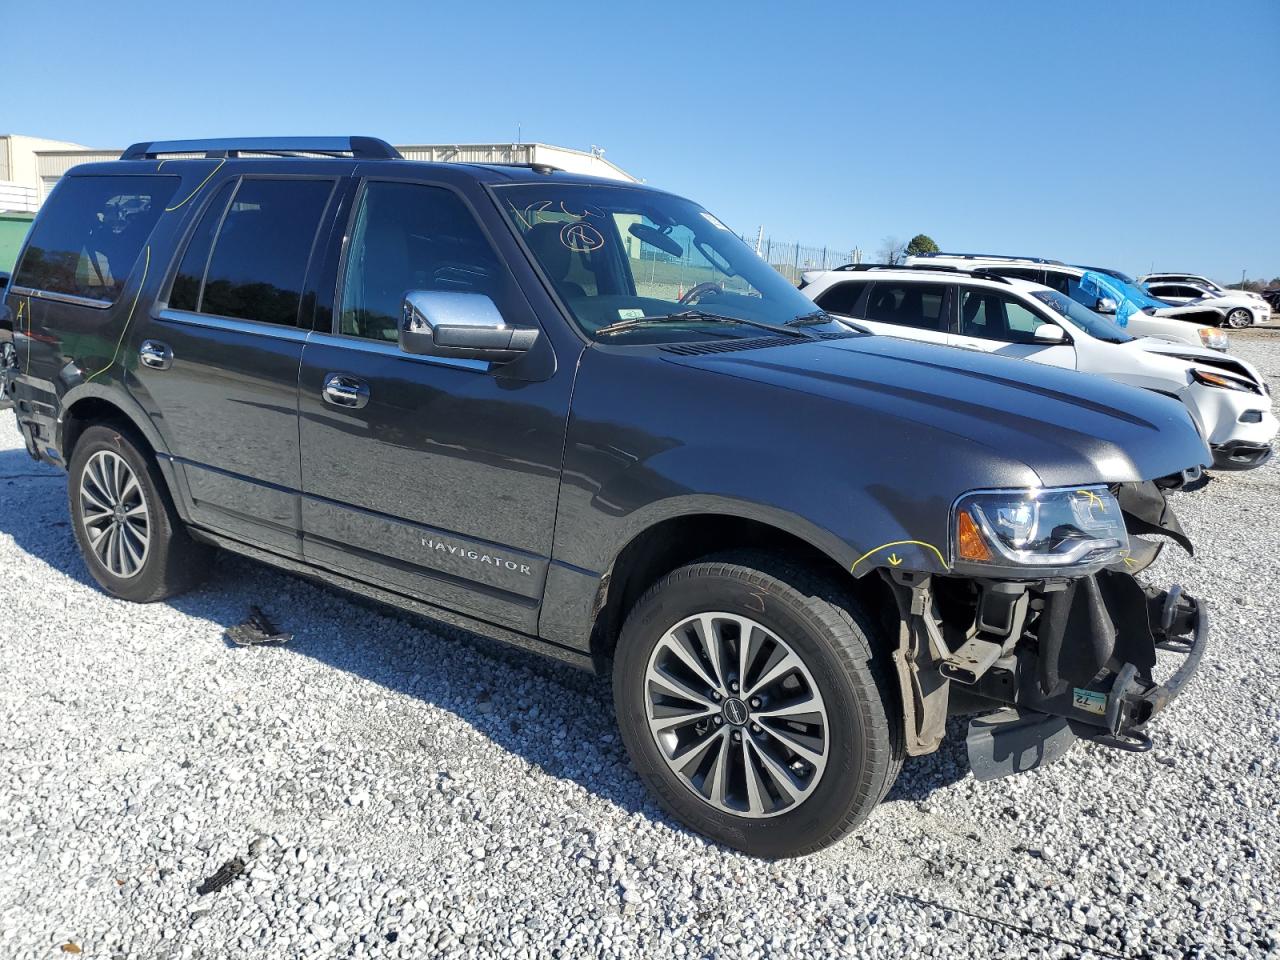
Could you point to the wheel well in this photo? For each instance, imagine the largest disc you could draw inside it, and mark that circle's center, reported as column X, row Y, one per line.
column 682, row 540
column 94, row 410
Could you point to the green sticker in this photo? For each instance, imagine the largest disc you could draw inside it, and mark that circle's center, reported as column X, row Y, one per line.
column 1090, row 700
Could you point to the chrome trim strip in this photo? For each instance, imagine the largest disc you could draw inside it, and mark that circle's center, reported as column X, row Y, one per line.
column 393, row 350
column 275, row 331
column 61, row 297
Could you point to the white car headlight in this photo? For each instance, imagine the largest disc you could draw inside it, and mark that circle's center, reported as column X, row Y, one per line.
column 1213, row 338
column 1075, row 530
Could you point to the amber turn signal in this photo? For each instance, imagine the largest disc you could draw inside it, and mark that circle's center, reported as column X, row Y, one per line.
column 969, row 542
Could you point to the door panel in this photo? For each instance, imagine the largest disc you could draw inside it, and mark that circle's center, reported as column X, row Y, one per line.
column 994, row 322
column 217, row 367
column 443, row 484
column 431, row 476
column 227, row 408
column 915, row 310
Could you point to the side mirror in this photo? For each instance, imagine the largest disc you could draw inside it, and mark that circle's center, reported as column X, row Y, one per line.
column 1104, row 305
column 1049, row 333
column 435, row 323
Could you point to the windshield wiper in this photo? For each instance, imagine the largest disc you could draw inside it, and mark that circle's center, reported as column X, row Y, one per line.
column 810, row 319
column 819, row 317
column 686, row 315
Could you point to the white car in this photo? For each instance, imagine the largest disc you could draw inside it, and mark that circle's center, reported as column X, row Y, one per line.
column 1196, row 324
column 1199, row 280
column 1243, row 309
column 1227, row 397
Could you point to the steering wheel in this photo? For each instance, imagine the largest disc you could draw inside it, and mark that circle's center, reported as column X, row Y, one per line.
column 695, row 293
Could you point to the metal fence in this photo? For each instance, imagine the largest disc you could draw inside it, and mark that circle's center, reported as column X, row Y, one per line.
column 793, row 259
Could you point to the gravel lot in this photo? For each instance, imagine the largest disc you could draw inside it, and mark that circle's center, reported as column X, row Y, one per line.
column 396, row 791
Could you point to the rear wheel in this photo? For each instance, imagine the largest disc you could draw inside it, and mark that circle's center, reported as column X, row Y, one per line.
column 754, row 706
column 1239, row 318
column 129, row 533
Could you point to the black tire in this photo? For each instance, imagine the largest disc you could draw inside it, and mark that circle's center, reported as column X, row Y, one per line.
column 833, row 637
column 1238, row 318
column 173, row 562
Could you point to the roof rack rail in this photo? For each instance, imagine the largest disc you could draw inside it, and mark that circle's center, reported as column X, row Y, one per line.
column 989, row 256
column 979, row 272
column 361, row 148
column 535, row 166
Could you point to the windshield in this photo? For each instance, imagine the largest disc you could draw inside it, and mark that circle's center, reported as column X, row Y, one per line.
column 1098, row 327
column 617, row 254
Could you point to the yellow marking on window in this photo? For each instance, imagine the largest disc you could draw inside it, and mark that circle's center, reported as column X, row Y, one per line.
column 197, row 189
column 900, row 543
column 146, row 265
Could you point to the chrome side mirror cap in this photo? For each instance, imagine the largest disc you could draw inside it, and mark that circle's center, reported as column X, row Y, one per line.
column 469, row 326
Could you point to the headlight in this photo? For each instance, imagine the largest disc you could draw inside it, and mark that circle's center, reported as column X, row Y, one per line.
column 1217, row 380
column 1213, row 338
column 1071, row 529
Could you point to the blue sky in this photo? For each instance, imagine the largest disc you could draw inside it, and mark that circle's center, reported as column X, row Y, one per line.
column 1124, row 134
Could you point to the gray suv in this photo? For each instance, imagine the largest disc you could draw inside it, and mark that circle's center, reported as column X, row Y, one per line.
column 584, row 418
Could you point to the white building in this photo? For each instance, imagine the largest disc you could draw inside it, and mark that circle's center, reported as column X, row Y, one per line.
column 30, row 166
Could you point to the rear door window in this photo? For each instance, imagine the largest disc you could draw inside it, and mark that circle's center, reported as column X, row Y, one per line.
column 90, row 233
column 260, row 256
column 918, row 305
column 842, row 298
column 190, row 276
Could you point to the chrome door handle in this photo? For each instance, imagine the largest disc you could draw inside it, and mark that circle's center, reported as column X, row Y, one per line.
column 155, row 354
column 345, row 391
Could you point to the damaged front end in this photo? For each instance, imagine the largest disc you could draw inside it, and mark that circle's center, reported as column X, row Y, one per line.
column 1065, row 655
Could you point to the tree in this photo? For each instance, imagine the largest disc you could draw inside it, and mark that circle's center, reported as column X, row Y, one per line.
column 890, row 250
column 921, row 243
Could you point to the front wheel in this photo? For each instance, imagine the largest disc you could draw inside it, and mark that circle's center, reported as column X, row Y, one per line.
column 755, row 705
column 129, row 533
column 1239, row 318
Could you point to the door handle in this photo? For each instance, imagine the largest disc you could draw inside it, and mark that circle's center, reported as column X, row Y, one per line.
column 154, row 354
column 345, row 391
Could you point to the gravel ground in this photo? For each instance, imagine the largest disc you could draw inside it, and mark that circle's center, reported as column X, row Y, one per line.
column 395, row 792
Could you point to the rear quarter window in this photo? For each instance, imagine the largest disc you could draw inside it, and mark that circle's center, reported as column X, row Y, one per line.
column 90, row 232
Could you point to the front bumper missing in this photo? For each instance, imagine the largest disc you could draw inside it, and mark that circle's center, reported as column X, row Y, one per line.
column 1059, row 662
column 1113, row 712
column 1241, row 455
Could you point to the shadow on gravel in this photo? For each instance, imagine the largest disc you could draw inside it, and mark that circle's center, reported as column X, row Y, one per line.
column 552, row 716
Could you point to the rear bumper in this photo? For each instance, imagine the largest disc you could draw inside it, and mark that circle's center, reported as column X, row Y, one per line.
column 1035, row 728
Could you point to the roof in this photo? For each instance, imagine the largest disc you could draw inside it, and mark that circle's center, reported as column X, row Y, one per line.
column 343, row 151
column 920, row 272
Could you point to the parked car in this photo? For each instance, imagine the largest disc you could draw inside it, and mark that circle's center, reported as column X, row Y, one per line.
column 976, row 310
column 1242, row 311
column 1199, row 280
column 1196, row 324
column 490, row 395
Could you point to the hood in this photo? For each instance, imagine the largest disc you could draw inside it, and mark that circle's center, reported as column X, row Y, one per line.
column 1201, row 356
column 1066, row 427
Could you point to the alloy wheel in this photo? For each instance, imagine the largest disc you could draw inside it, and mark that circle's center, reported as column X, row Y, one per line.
column 736, row 714
column 1239, row 318
column 113, row 513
